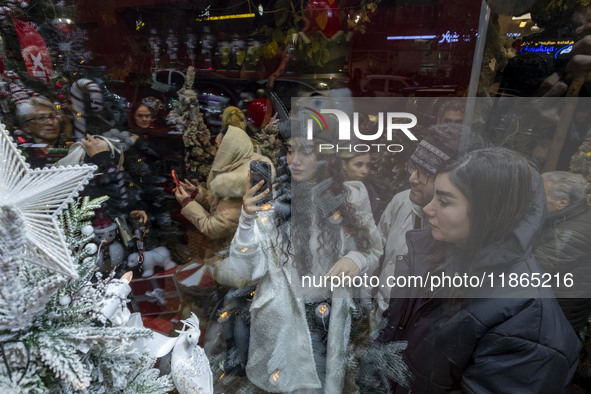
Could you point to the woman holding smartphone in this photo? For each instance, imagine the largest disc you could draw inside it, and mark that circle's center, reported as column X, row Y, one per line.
column 496, row 337
column 299, row 335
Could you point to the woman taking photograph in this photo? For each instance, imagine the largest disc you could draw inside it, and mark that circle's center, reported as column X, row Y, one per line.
column 299, row 339
column 487, row 208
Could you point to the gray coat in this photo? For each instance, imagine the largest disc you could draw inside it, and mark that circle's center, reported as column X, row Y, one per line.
column 280, row 338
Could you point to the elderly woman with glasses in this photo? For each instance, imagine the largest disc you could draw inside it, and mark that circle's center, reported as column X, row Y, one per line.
column 45, row 133
column 39, row 120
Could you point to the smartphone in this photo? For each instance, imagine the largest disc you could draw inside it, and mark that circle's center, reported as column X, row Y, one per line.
column 174, row 178
column 261, row 171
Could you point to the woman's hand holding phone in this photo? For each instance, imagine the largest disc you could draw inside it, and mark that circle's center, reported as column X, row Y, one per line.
column 181, row 194
column 188, row 186
column 250, row 201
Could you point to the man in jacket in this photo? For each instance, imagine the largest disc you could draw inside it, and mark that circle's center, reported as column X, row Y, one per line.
column 405, row 211
column 565, row 244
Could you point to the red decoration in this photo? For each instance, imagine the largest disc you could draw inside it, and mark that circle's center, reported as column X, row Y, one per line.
column 34, row 50
column 257, row 110
column 323, row 16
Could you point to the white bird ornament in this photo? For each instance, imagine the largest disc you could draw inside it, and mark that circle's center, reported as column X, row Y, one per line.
column 189, row 365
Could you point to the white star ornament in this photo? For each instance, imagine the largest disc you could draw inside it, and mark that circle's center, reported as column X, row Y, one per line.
column 40, row 195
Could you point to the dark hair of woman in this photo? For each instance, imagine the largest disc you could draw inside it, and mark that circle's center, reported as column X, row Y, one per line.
column 498, row 184
column 131, row 123
column 331, row 211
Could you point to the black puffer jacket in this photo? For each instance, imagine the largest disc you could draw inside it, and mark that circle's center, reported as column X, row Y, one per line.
column 565, row 247
column 522, row 344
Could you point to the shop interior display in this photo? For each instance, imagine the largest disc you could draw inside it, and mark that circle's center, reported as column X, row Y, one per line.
column 105, row 287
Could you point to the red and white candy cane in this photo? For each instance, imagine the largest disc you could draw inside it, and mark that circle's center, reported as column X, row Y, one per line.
column 78, row 92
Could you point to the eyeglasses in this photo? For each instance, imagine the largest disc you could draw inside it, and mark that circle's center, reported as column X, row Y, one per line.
column 421, row 176
column 42, row 119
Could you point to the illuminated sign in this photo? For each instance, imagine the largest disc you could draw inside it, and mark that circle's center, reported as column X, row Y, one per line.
column 560, row 47
column 428, row 37
column 448, row 37
column 563, row 51
column 223, row 17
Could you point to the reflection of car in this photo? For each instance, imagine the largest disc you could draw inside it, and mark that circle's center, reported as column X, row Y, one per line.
column 167, row 79
column 433, row 91
column 213, row 94
column 286, row 88
column 387, row 85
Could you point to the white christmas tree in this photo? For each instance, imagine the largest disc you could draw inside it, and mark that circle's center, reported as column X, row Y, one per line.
column 53, row 337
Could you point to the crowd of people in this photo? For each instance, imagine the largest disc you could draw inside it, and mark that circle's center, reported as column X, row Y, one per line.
column 477, row 211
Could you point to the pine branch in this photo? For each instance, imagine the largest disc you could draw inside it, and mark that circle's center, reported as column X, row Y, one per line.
column 61, row 357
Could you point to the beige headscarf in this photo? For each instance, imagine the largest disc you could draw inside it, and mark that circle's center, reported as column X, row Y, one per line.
column 235, row 150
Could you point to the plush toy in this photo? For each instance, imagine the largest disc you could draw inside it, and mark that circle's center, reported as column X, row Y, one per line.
column 105, row 236
column 158, row 257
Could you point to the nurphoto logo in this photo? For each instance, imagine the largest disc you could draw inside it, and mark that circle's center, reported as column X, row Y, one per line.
column 394, row 121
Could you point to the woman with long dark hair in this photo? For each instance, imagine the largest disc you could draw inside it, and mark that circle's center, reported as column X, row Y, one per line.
column 320, row 227
column 495, row 335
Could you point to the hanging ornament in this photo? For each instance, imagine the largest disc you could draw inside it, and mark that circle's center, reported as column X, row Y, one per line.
column 81, row 89
column 87, row 230
column 69, row 43
column 34, row 50
column 91, row 248
column 322, row 16
column 40, row 196
column 260, row 111
column 65, row 299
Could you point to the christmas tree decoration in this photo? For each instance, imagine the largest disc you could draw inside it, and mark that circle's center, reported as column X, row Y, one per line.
column 185, row 115
column 67, row 43
column 40, row 195
column 115, row 295
column 189, row 365
column 268, row 136
column 34, row 50
column 383, row 363
column 260, row 111
column 81, row 89
column 53, row 335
